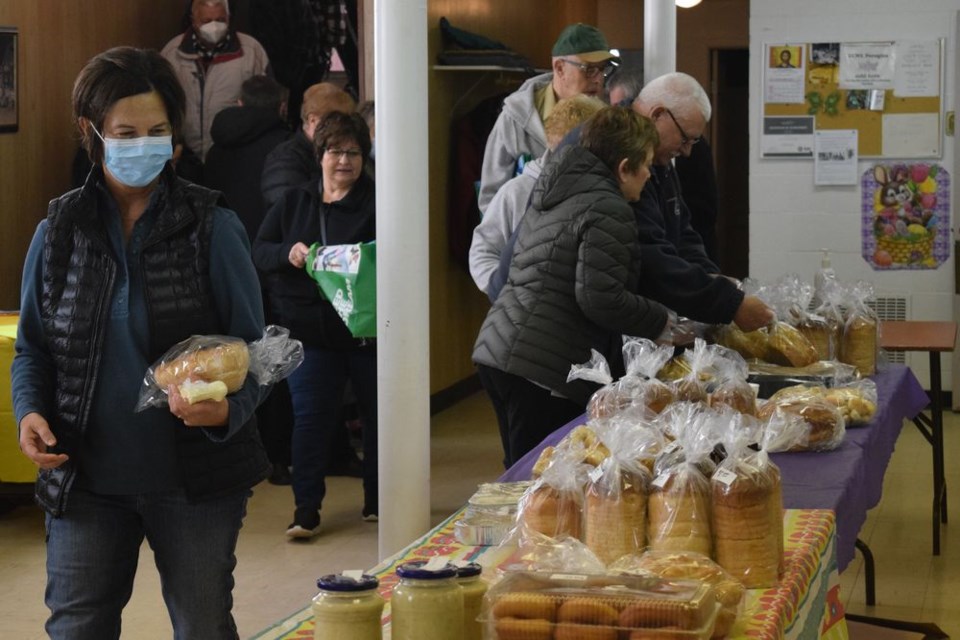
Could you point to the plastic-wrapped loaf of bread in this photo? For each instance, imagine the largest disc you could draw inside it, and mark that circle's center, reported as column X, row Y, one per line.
column 787, row 346
column 752, row 345
column 824, row 420
column 615, row 504
column 678, row 508
column 639, row 386
column 861, row 330
column 747, row 518
column 731, row 388
column 553, row 505
column 209, row 367
column 856, row 401
column 696, row 385
column 687, row 565
column 581, row 439
column 528, row 605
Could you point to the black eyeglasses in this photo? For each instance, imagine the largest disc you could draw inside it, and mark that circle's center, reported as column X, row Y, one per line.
column 684, row 138
column 339, row 154
column 592, row 70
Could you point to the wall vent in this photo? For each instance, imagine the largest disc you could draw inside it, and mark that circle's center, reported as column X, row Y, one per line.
column 891, row 308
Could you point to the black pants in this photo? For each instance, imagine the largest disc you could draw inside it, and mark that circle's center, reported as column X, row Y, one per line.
column 526, row 413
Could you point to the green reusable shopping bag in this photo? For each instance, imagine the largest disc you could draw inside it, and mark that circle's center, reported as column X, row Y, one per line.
column 347, row 277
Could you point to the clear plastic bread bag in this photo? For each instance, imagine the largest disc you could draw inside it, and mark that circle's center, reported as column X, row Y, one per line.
column 695, row 385
column 688, row 565
column 615, row 500
column 209, row 367
column 747, row 507
column 815, row 327
column 856, row 400
column 826, row 424
column 731, row 388
column 553, row 505
column 861, row 330
column 678, row 507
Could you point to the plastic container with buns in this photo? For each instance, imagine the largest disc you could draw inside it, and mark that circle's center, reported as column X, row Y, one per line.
column 562, row 606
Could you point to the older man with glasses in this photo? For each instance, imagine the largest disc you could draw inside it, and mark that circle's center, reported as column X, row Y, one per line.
column 581, row 61
column 675, row 269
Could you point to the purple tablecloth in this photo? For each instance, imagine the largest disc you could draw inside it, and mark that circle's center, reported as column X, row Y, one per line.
column 848, row 479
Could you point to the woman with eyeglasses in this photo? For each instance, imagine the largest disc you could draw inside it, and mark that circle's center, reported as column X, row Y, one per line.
column 339, row 208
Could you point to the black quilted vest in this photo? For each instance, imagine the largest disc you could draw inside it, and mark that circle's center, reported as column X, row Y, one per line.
column 78, row 277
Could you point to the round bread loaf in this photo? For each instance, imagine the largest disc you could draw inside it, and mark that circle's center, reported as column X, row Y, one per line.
column 523, row 629
column 227, row 362
column 587, row 611
column 525, row 606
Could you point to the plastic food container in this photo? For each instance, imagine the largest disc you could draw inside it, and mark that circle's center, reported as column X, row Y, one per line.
column 533, row 606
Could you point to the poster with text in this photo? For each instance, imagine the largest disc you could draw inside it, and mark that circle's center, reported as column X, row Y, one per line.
column 905, row 215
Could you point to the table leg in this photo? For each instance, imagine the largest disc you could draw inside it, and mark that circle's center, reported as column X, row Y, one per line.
column 939, row 484
column 869, row 575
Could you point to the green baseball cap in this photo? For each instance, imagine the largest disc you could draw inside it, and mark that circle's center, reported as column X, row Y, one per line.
column 583, row 41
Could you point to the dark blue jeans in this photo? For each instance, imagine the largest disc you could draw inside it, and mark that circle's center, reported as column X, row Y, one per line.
column 316, row 388
column 92, row 554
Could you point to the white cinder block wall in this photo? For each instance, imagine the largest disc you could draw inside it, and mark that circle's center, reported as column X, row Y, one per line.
column 790, row 218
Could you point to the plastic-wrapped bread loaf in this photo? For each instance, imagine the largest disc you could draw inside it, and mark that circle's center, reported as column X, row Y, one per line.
column 615, row 512
column 678, row 512
column 859, row 344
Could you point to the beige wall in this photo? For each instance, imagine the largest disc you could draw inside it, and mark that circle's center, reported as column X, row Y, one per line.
column 55, row 39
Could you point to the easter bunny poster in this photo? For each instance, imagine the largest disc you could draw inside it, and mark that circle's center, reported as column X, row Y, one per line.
column 905, row 211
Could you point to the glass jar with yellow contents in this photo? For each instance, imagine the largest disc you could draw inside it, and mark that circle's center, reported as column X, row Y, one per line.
column 348, row 607
column 468, row 576
column 427, row 604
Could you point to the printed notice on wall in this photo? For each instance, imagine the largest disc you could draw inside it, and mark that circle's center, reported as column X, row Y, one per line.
column 867, row 65
column 911, row 135
column 784, row 75
column 787, row 137
column 835, row 157
column 918, row 69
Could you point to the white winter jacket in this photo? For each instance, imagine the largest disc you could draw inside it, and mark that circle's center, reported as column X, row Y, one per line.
column 208, row 93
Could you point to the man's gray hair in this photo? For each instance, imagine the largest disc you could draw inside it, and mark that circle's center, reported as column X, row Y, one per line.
column 211, row 3
column 630, row 79
column 678, row 92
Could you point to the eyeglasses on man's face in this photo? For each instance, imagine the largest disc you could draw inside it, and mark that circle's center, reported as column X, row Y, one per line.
column 684, row 138
column 340, row 154
column 592, row 71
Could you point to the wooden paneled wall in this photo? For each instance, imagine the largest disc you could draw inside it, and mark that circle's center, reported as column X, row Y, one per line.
column 56, row 38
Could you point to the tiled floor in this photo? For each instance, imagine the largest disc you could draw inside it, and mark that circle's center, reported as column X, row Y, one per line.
column 276, row 577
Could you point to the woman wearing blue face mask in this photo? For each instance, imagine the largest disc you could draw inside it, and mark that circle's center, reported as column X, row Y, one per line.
column 120, row 270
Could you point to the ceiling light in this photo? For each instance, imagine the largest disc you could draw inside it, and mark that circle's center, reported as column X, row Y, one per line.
column 686, row 4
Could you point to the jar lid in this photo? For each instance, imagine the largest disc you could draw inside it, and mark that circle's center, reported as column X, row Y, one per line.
column 417, row 570
column 340, row 582
column 469, row 570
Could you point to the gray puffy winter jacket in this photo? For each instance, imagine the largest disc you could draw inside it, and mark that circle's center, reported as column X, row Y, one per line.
column 574, row 268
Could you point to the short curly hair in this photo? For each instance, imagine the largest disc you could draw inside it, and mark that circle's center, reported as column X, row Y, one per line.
column 619, row 133
column 338, row 127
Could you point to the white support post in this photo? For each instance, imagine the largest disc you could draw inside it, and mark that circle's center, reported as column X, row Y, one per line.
column 659, row 38
column 403, row 347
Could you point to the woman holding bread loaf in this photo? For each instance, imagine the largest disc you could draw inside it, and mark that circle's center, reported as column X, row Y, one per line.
column 338, row 209
column 122, row 269
column 571, row 279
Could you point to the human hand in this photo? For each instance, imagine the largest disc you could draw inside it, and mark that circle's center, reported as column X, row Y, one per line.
column 298, row 255
column 753, row 314
column 35, row 437
column 207, row 413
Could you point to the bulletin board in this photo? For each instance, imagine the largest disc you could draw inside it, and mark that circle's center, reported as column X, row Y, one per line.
column 831, row 106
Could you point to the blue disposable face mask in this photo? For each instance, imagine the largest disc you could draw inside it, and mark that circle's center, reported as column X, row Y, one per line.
column 136, row 162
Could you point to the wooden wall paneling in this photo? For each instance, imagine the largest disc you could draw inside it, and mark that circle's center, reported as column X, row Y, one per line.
column 56, row 38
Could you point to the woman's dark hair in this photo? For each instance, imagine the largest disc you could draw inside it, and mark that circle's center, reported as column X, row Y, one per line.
column 618, row 133
column 337, row 127
column 119, row 73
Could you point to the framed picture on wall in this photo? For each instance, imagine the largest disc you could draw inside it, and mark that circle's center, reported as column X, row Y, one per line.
column 8, row 80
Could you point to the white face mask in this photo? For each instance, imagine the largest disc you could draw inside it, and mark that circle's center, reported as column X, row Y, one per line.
column 213, row 32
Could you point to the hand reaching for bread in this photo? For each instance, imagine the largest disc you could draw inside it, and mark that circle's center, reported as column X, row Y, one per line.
column 200, row 413
column 753, row 314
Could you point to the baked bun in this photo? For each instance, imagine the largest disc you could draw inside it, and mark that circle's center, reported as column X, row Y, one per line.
column 226, row 361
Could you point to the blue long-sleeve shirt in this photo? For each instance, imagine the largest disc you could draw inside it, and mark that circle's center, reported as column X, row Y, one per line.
column 123, row 452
